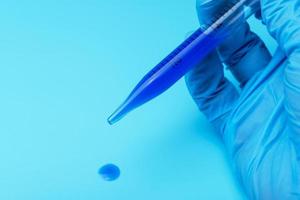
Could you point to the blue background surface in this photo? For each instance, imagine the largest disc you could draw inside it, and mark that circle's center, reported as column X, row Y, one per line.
column 65, row 65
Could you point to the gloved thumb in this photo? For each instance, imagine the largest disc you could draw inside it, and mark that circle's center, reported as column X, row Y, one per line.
column 208, row 9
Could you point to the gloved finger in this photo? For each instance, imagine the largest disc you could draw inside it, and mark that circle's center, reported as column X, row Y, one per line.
column 243, row 52
column 212, row 92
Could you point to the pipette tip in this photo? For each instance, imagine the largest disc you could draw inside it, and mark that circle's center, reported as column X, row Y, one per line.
column 113, row 119
column 117, row 115
column 109, row 120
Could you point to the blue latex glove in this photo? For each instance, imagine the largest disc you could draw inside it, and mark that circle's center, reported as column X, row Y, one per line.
column 260, row 125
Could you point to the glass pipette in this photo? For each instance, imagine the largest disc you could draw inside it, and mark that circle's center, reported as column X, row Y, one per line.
column 186, row 56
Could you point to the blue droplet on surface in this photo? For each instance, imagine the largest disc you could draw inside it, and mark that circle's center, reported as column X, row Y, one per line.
column 109, row 172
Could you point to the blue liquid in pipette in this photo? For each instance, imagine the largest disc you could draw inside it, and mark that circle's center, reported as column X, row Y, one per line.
column 168, row 71
column 190, row 53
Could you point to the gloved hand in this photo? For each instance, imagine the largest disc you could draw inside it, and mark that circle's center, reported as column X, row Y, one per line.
column 260, row 125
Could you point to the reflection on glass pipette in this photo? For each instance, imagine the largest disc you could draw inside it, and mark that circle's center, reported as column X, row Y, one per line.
column 187, row 55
